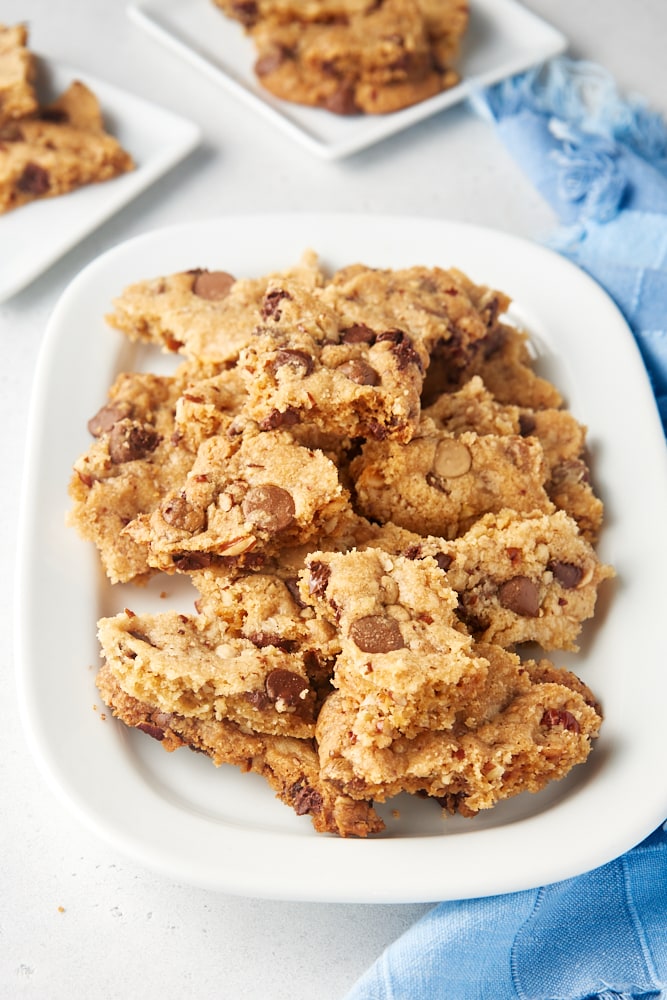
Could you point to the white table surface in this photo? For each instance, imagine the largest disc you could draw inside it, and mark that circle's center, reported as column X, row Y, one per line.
column 77, row 919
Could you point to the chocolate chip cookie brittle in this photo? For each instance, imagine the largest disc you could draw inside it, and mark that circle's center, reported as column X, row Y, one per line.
column 378, row 502
column 204, row 314
column 17, row 74
column 145, row 441
column 199, row 669
column 303, row 365
column 245, row 498
column 440, row 484
column 61, row 147
column 351, row 56
column 402, row 655
column 538, row 723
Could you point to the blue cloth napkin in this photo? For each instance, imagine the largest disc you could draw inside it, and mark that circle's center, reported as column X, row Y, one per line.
column 600, row 160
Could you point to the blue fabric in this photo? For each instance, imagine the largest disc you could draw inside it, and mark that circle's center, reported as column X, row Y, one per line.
column 600, row 935
column 600, row 160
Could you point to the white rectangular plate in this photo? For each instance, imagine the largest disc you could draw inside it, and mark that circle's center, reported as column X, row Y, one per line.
column 503, row 39
column 225, row 830
column 38, row 234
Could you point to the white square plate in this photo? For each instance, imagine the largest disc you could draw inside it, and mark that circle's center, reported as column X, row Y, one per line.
column 503, row 39
column 34, row 236
column 224, row 830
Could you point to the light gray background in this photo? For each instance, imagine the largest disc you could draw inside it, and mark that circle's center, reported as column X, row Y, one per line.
column 76, row 919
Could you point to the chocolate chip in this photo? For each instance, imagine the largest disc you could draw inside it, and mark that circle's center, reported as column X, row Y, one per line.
column 57, row 115
column 567, row 574
column 213, row 285
column 129, row 442
column 279, row 418
column 560, row 717
column 245, row 11
column 342, row 101
column 402, row 349
column 443, row 560
column 141, row 637
column 155, row 731
column 271, row 303
column 489, row 312
column 286, row 686
column 358, row 333
column 109, row 415
column 377, row 430
column 263, row 639
column 34, row 180
column 521, row 596
column 376, row 634
column 186, row 562
column 304, row 798
column 269, row 507
column 181, row 514
column 258, row 699
column 292, row 584
column 299, row 363
column 452, row 459
column 272, row 60
column 359, row 371
column 527, row 424
column 319, row 578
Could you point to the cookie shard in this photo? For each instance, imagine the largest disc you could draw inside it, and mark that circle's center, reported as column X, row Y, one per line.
column 402, row 655
column 352, row 57
column 144, row 441
column 204, row 314
column 188, row 665
column 305, row 364
column 505, row 364
column 442, row 310
column 289, row 765
column 539, row 723
column 441, row 483
column 17, row 74
column 526, row 578
column 61, row 148
column 244, row 499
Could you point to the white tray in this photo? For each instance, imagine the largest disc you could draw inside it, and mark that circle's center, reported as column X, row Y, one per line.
column 224, row 830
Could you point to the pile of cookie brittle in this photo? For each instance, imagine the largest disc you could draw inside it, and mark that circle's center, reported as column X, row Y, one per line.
column 378, row 501
column 48, row 149
column 353, row 56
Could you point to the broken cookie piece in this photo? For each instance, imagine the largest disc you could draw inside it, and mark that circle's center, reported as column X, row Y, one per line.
column 62, row 147
column 197, row 668
column 441, row 483
column 402, row 655
column 208, row 315
column 245, row 498
column 539, row 723
column 17, row 74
